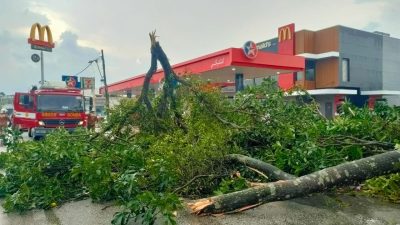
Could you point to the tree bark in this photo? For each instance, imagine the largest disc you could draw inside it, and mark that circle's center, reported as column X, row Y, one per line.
column 146, row 84
column 271, row 171
column 343, row 174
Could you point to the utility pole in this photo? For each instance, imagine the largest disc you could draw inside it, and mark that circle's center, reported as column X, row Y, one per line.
column 105, row 82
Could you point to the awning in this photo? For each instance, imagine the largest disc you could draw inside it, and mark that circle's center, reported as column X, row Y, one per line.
column 320, row 56
column 222, row 66
column 380, row 92
column 326, row 91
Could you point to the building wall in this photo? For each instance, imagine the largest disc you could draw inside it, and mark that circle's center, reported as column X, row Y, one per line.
column 364, row 50
column 392, row 99
column 391, row 68
column 374, row 59
column 304, row 42
column 322, row 100
column 316, row 42
column 327, row 40
column 326, row 73
column 270, row 45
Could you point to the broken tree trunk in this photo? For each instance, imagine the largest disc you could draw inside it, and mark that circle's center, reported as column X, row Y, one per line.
column 271, row 171
column 153, row 68
column 343, row 174
column 168, row 101
column 157, row 53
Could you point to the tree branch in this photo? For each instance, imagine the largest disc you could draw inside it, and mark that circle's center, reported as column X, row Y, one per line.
column 271, row 171
column 343, row 174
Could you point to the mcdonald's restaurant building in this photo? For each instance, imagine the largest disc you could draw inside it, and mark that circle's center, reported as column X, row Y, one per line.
column 333, row 64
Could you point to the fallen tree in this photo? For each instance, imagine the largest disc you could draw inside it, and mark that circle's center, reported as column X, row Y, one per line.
column 343, row 174
column 288, row 185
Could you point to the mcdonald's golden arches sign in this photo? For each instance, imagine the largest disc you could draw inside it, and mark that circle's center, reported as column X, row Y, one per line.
column 286, row 39
column 284, row 34
column 41, row 43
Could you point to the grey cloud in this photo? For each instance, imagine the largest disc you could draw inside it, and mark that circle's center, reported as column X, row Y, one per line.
column 16, row 14
column 187, row 29
column 19, row 72
column 68, row 58
column 372, row 26
column 363, row 1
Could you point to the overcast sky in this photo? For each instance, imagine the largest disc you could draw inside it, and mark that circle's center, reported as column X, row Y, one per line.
column 187, row 29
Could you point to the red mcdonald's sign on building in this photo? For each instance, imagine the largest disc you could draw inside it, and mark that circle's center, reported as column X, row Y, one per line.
column 286, row 41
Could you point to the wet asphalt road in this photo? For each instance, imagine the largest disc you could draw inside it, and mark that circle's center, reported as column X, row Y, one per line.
column 318, row 209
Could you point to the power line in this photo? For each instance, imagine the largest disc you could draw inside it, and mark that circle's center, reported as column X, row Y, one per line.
column 101, row 75
column 83, row 69
column 90, row 63
column 93, row 70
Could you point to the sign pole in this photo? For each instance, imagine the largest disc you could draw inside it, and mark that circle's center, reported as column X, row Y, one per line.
column 40, row 44
column 42, row 69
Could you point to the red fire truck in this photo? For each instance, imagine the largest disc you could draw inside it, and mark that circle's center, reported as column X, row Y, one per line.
column 42, row 110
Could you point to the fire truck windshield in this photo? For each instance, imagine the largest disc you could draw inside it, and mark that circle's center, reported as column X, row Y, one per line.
column 59, row 103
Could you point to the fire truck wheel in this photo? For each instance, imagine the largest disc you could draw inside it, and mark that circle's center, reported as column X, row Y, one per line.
column 29, row 132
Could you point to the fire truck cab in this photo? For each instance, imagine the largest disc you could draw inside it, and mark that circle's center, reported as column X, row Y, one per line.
column 42, row 110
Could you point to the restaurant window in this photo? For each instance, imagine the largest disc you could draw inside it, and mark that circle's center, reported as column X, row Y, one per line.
column 345, row 70
column 299, row 76
column 310, row 70
column 274, row 78
column 258, row 81
column 249, row 82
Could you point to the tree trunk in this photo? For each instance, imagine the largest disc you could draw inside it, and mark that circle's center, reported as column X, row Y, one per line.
column 146, row 84
column 343, row 174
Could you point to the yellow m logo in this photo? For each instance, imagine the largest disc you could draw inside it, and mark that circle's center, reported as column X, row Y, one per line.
column 41, row 30
column 284, row 34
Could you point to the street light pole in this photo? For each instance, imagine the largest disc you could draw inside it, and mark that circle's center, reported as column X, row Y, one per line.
column 105, row 82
